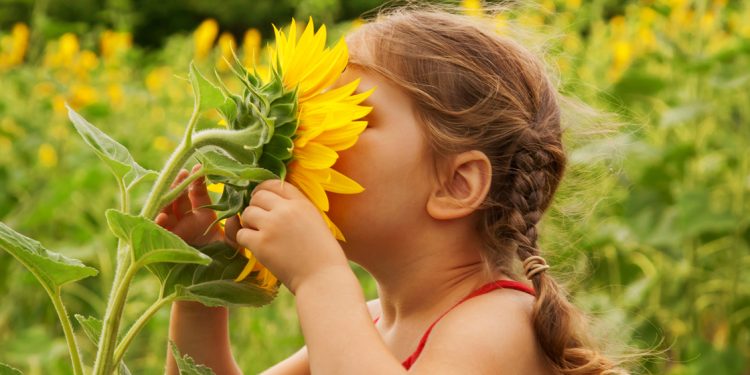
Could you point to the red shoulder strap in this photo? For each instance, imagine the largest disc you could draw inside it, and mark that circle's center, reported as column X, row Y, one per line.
column 498, row 284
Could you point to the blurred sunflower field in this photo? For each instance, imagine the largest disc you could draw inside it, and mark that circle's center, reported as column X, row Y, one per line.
column 651, row 227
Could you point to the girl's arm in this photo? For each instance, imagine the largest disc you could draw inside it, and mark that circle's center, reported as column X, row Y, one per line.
column 338, row 328
column 201, row 332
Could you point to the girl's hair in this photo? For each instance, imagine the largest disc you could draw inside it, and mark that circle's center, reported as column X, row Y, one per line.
column 474, row 89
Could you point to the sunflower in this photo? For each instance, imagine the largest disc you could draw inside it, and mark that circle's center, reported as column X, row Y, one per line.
column 328, row 120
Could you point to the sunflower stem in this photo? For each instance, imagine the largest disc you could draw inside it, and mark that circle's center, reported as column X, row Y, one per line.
column 123, row 276
column 139, row 324
column 178, row 158
column 62, row 314
column 187, row 139
column 174, row 193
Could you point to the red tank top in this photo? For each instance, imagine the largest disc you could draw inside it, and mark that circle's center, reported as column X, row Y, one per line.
column 499, row 284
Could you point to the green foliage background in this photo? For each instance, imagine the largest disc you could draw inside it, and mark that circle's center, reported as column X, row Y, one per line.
column 650, row 228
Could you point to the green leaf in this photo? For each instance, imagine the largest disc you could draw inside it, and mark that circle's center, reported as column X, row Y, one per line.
column 224, row 293
column 214, row 285
column 152, row 245
column 287, row 128
column 207, row 95
column 51, row 269
column 8, row 370
column 279, row 147
column 115, row 155
column 229, row 111
column 216, row 163
column 92, row 327
column 273, row 164
column 187, row 365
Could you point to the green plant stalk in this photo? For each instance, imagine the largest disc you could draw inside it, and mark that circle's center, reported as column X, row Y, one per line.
column 139, row 324
column 62, row 314
column 181, row 154
column 174, row 193
column 124, row 201
column 111, row 323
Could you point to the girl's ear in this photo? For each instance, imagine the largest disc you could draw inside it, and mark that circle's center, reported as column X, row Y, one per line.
column 463, row 186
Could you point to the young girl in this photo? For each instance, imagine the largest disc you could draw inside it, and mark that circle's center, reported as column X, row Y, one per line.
column 460, row 160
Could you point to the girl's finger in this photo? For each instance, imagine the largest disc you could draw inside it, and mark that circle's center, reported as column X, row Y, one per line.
column 248, row 238
column 281, row 188
column 181, row 205
column 165, row 221
column 231, row 227
column 197, row 191
column 252, row 217
column 265, row 199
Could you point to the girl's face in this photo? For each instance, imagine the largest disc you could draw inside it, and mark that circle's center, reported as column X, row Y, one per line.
column 391, row 161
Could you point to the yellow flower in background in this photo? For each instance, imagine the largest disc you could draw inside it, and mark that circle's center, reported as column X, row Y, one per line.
column 58, row 105
column 357, row 23
column 572, row 4
column 114, row 43
column 472, row 7
column 226, row 46
column 163, row 143
column 13, row 48
column 115, row 94
column 548, row 6
column 501, row 23
column 47, row 155
column 204, row 37
column 86, row 62
column 329, row 120
column 82, row 95
column 617, row 25
column 156, row 78
column 251, row 47
column 10, row 127
column 68, row 47
column 63, row 52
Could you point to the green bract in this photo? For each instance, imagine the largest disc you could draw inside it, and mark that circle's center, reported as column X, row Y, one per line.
column 266, row 110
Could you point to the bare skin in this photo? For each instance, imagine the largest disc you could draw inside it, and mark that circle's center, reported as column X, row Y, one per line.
column 412, row 229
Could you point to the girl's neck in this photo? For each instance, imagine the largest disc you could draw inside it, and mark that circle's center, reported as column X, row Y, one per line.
column 425, row 286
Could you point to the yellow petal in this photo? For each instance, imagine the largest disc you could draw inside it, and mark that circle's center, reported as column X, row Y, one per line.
column 266, row 278
column 315, row 156
column 310, row 186
column 329, row 73
column 248, row 267
column 334, row 229
column 342, row 138
column 335, row 95
column 339, row 183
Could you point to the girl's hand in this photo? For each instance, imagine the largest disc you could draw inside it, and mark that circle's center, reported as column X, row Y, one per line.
column 287, row 234
column 186, row 218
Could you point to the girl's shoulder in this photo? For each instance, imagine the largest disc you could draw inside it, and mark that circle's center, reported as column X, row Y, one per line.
column 492, row 333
